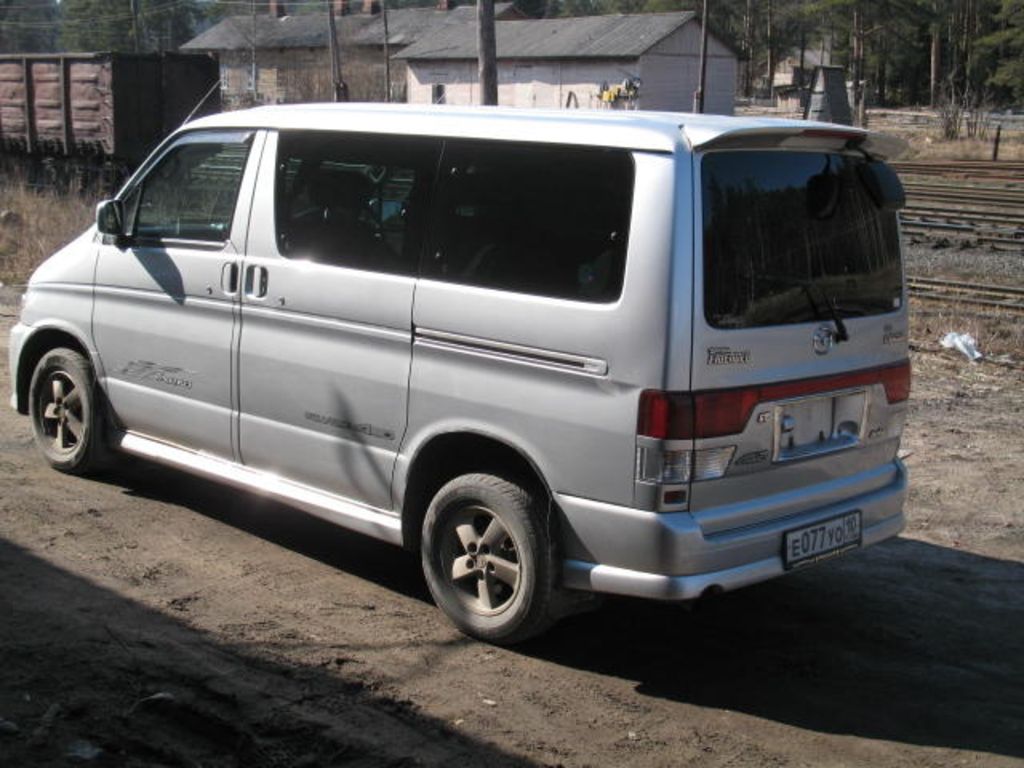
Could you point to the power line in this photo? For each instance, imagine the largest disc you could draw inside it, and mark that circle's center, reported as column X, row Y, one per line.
column 93, row 20
column 60, row 23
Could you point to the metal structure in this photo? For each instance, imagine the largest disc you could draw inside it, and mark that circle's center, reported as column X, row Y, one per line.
column 828, row 101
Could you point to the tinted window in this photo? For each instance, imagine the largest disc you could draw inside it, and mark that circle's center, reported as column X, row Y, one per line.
column 545, row 220
column 353, row 200
column 190, row 194
column 787, row 233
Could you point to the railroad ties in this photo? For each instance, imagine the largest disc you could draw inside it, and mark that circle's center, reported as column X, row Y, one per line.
column 977, row 199
column 958, row 291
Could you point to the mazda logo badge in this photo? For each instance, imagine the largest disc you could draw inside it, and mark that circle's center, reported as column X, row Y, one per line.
column 823, row 339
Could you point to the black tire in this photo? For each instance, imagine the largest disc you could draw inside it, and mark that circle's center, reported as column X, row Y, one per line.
column 469, row 569
column 65, row 413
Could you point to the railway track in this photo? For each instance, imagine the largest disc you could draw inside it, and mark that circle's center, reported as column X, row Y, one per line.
column 958, row 291
column 1009, row 171
column 978, row 199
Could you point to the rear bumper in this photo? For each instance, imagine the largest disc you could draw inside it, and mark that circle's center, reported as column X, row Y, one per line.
column 624, row 551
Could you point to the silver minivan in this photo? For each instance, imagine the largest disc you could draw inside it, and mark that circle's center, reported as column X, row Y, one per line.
column 659, row 355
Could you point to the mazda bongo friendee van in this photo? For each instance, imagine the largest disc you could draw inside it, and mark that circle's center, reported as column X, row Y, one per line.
column 659, row 355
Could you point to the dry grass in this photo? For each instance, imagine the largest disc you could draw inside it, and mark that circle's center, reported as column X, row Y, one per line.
column 34, row 224
column 928, row 145
column 998, row 334
column 921, row 129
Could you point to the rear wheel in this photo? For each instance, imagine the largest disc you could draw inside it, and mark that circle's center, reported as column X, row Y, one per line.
column 63, row 409
column 487, row 558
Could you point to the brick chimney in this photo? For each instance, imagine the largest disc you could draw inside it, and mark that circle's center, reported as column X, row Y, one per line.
column 277, row 8
column 371, row 7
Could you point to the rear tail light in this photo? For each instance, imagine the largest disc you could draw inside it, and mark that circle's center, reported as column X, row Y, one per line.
column 677, row 416
column 710, row 463
column 663, row 467
column 896, row 380
column 665, row 415
column 684, row 416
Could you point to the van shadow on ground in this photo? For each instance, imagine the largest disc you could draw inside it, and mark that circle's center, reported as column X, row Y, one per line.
column 907, row 641
column 84, row 668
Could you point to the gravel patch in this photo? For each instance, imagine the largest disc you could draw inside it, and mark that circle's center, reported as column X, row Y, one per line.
column 953, row 258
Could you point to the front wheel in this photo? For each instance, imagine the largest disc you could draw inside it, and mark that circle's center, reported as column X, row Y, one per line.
column 487, row 558
column 63, row 409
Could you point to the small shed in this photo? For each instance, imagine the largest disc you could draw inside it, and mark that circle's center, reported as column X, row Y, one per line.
column 642, row 61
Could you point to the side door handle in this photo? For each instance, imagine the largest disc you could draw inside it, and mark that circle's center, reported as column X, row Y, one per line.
column 256, row 279
column 229, row 278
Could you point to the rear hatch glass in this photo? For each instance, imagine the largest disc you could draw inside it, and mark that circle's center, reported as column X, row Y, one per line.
column 794, row 237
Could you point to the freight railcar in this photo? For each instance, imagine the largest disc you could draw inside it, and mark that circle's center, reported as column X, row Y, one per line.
column 92, row 117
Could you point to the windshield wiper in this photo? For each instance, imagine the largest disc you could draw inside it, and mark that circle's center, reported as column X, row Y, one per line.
column 841, row 333
column 809, row 288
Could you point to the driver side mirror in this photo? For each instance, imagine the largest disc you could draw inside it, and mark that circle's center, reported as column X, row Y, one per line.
column 110, row 218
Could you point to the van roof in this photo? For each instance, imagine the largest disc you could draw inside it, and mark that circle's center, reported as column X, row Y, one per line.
column 640, row 130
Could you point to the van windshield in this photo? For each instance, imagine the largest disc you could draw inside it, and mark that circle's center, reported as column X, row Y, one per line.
column 794, row 237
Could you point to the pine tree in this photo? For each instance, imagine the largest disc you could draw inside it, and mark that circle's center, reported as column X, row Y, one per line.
column 166, row 25
column 1007, row 45
column 28, row 26
column 97, row 25
column 127, row 25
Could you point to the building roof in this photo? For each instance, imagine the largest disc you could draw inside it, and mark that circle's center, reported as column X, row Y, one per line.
column 407, row 25
column 614, row 36
column 637, row 130
column 309, row 30
column 812, row 58
column 306, row 30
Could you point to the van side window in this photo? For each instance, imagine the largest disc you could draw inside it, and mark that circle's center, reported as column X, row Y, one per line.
column 353, row 200
column 190, row 194
column 541, row 219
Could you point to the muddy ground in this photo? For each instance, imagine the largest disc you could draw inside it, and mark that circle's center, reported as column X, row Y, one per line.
column 148, row 618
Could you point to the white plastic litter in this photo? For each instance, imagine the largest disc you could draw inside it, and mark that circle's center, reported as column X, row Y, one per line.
column 963, row 342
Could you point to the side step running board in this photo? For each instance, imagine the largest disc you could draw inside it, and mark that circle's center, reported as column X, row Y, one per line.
column 335, row 509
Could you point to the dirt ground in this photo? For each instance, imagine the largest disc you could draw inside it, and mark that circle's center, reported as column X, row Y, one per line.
column 148, row 619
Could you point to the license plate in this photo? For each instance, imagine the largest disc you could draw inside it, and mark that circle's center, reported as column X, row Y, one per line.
column 814, row 543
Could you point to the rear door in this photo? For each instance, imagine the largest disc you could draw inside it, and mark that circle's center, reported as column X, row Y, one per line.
column 799, row 329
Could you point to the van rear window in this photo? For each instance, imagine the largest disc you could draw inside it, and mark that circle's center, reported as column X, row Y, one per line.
column 786, row 234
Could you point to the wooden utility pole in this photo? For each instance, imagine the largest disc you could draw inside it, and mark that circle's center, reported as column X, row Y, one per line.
column 858, row 65
column 252, row 49
column 748, row 49
column 770, row 44
column 337, row 86
column 135, row 24
column 387, row 51
column 698, row 95
column 487, row 52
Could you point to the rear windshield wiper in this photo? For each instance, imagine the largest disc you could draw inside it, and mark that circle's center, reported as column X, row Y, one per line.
column 810, row 288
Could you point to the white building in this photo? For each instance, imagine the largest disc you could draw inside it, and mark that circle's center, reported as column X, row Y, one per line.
column 554, row 63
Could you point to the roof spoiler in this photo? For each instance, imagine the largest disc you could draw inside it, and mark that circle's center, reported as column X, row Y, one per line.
column 811, row 135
